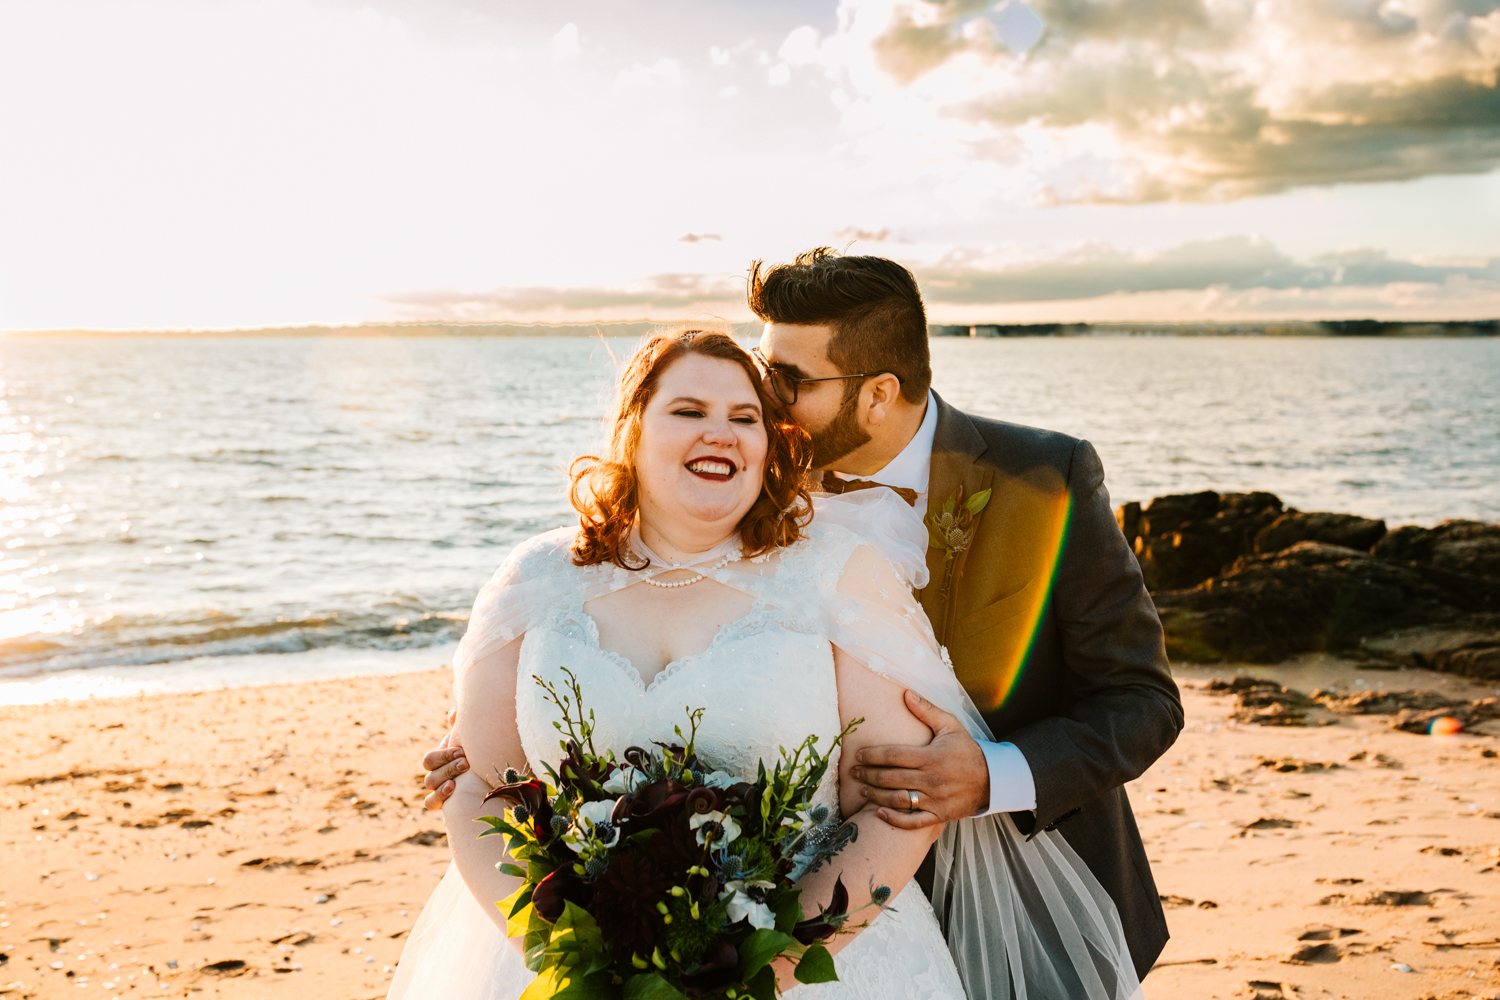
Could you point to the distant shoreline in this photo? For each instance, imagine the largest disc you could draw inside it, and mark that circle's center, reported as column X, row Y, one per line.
column 1299, row 328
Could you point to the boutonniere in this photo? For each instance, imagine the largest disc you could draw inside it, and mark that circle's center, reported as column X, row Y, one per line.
column 952, row 529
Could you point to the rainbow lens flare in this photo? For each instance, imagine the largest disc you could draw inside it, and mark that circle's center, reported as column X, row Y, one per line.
column 1445, row 725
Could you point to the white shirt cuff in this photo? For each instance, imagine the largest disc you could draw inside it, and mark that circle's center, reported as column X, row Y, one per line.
column 1012, row 788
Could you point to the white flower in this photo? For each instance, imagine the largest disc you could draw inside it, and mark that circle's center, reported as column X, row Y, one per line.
column 729, row 828
column 593, row 826
column 720, row 779
column 624, row 781
column 741, row 907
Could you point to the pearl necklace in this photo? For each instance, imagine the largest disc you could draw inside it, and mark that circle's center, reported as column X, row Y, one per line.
column 734, row 555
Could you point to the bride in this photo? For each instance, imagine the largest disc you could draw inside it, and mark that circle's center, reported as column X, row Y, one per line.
column 697, row 579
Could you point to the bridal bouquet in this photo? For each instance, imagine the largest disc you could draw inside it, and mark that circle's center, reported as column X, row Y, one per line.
column 654, row 878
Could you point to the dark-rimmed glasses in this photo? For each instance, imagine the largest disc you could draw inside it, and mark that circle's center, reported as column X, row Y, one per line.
column 785, row 385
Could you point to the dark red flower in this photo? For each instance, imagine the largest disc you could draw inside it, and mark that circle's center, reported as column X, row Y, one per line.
column 827, row 922
column 531, row 794
column 718, row 971
column 625, row 899
column 653, row 803
column 556, row 889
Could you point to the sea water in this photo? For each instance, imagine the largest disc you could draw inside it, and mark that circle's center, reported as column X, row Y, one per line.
column 188, row 512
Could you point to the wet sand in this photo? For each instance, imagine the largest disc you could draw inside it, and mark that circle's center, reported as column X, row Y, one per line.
column 269, row 842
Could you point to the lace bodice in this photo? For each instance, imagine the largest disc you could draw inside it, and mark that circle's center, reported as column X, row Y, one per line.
column 765, row 681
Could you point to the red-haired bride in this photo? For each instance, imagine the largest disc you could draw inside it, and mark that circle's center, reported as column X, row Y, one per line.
column 698, row 576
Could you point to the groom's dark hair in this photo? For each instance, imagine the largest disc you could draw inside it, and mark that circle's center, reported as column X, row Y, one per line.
column 871, row 303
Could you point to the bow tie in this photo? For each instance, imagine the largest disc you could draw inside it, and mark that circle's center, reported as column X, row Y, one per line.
column 833, row 484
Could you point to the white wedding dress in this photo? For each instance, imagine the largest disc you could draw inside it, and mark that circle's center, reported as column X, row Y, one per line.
column 765, row 681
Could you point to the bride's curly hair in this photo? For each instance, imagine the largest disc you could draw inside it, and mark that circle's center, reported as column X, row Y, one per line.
column 606, row 492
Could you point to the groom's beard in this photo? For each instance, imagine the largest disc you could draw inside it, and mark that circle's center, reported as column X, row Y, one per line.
column 842, row 435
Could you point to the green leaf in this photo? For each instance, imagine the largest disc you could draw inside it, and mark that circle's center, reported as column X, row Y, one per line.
column 650, row 986
column 762, row 985
column 761, row 947
column 534, row 942
column 497, row 825
column 788, row 911
column 511, row 905
column 816, row 966
column 578, row 931
column 948, row 504
column 558, row 983
column 514, row 871
column 976, row 503
column 519, row 921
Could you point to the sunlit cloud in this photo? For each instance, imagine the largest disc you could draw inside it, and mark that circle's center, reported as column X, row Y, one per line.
column 659, row 297
column 335, row 163
column 1129, row 101
column 1226, row 278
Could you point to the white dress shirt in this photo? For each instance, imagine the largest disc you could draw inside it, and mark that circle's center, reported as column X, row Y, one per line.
column 1012, row 787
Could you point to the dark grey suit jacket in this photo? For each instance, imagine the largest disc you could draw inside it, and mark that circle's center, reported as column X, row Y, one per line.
column 1053, row 635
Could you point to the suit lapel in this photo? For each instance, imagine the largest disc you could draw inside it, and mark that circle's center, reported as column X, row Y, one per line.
column 956, row 445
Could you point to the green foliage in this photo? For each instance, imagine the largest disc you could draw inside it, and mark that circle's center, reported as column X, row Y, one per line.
column 758, row 862
column 575, row 941
column 688, row 936
column 788, row 910
column 816, row 966
column 498, row 825
column 558, row 983
column 757, row 950
column 650, row 986
column 762, row 985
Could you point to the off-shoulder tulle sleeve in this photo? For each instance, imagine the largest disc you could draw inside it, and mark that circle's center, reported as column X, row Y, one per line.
column 536, row 578
column 1024, row 918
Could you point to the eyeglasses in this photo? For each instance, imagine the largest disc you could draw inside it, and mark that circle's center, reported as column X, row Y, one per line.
column 785, row 385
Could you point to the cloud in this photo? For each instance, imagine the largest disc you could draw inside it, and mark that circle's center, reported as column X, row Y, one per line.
column 565, row 42
column 866, row 235
column 1155, row 100
column 1227, row 278
column 1233, row 263
column 664, row 70
column 659, row 297
column 696, row 237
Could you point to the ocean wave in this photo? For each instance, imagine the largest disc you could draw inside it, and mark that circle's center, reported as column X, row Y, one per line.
column 128, row 641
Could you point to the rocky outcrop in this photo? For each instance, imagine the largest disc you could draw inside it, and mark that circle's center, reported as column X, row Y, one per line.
column 1183, row 540
column 1237, row 576
column 1349, row 531
column 1261, row 702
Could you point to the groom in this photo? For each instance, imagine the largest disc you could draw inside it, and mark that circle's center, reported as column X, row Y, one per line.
column 1033, row 590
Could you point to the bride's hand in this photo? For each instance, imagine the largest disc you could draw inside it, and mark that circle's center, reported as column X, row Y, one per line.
column 443, row 764
column 949, row 775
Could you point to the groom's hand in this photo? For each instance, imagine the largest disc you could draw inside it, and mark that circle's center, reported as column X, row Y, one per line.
column 443, row 764
column 950, row 775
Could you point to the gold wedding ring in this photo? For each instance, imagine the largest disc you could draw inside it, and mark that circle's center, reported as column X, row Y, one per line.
column 913, row 796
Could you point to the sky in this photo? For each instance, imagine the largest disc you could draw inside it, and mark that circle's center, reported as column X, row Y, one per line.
column 178, row 164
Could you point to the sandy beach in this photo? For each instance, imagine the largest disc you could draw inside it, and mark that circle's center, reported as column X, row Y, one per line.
column 270, row 842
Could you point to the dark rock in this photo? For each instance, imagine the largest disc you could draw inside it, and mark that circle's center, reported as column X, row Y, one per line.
column 1238, row 576
column 1407, row 543
column 1349, row 530
column 1312, row 596
column 1382, row 702
column 1315, row 954
column 1184, row 539
column 1264, row 703
column 1467, row 547
column 1481, row 662
column 1469, row 714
